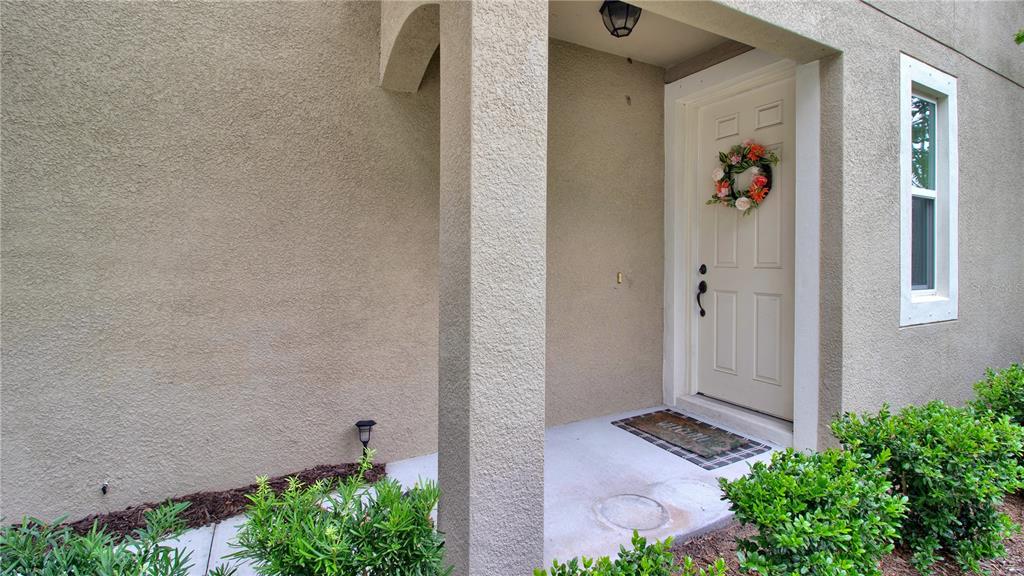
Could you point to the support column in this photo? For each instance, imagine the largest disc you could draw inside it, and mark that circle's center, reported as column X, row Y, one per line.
column 494, row 60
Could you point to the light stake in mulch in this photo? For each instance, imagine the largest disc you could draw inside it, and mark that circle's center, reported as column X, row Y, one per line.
column 365, row 426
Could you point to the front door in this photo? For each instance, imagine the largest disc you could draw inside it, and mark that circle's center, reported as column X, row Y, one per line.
column 745, row 340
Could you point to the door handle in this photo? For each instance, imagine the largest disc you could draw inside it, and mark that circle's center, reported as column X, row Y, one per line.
column 701, row 288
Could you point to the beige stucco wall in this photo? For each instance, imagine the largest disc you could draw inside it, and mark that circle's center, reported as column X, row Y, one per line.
column 409, row 36
column 219, row 247
column 493, row 271
column 881, row 362
column 980, row 29
column 605, row 215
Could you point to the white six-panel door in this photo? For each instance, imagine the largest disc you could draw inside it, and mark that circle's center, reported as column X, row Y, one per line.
column 745, row 342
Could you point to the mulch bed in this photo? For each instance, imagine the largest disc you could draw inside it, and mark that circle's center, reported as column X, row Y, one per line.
column 721, row 544
column 210, row 507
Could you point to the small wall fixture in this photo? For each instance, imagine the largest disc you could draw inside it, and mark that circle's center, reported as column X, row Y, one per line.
column 364, row 431
column 619, row 17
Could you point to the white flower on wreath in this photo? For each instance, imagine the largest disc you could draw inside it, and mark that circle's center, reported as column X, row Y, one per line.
column 755, row 170
column 743, row 204
column 718, row 174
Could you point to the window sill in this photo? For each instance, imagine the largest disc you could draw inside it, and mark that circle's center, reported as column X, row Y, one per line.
column 927, row 309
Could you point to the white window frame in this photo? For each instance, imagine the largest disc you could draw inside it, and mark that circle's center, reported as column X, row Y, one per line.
column 941, row 303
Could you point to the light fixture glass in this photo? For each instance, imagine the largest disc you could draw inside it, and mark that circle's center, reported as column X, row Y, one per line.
column 619, row 17
column 365, row 426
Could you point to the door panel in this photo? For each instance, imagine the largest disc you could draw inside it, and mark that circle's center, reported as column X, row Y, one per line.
column 726, row 240
column 745, row 342
column 724, row 313
column 767, row 331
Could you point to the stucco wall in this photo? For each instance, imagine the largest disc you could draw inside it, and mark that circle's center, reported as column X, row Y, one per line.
column 494, row 81
column 409, row 37
column 981, row 29
column 219, row 248
column 605, row 215
column 880, row 362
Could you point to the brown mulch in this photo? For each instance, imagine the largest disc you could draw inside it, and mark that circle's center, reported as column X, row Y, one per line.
column 721, row 544
column 210, row 507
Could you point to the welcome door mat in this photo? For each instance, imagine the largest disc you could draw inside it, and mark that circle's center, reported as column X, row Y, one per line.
column 701, row 443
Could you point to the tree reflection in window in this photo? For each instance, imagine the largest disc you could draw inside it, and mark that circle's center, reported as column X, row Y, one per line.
column 922, row 143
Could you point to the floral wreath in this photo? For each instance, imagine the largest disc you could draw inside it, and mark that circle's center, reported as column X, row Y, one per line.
column 746, row 156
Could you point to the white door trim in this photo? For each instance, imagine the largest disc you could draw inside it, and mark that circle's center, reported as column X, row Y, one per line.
column 735, row 75
column 807, row 284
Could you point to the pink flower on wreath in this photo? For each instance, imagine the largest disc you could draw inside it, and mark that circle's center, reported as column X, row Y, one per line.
column 722, row 188
column 735, row 159
column 759, row 181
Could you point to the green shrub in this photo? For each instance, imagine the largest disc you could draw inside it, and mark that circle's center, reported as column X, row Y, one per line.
column 1003, row 393
column 641, row 560
column 361, row 530
column 954, row 465
column 828, row 513
column 37, row 548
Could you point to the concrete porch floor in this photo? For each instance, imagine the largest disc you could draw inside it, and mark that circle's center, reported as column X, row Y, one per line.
column 595, row 472
column 599, row 481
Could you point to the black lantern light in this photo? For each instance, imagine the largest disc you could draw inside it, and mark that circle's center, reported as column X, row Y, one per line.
column 364, row 431
column 619, row 17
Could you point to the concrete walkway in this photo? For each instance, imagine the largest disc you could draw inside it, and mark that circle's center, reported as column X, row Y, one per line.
column 599, row 483
column 210, row 546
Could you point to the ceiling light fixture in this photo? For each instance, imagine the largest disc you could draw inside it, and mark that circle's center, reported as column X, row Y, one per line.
column 619, row 17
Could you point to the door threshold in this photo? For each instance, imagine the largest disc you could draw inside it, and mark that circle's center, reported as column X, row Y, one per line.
column 754, row 425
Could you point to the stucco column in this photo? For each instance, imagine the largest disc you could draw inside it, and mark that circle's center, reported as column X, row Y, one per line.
column 494, row 58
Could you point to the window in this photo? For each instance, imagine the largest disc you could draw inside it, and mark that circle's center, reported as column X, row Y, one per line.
column 928, row 194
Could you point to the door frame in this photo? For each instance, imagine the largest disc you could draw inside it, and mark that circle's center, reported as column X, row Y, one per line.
column 682, row 97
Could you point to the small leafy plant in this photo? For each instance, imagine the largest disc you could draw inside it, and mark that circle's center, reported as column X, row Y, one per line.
column 359, row 530
column 1002, row 393
column 954, row 465
column 37, row 548
column 828, row 513
column 642, row 559
column 223, row 570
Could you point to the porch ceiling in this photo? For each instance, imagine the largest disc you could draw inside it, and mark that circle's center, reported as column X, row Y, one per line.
column 655, row 40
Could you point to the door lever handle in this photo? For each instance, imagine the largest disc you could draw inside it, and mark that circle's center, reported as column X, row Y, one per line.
column 701, row 288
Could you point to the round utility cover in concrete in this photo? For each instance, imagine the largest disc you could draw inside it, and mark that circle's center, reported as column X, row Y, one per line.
column 632, row 512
